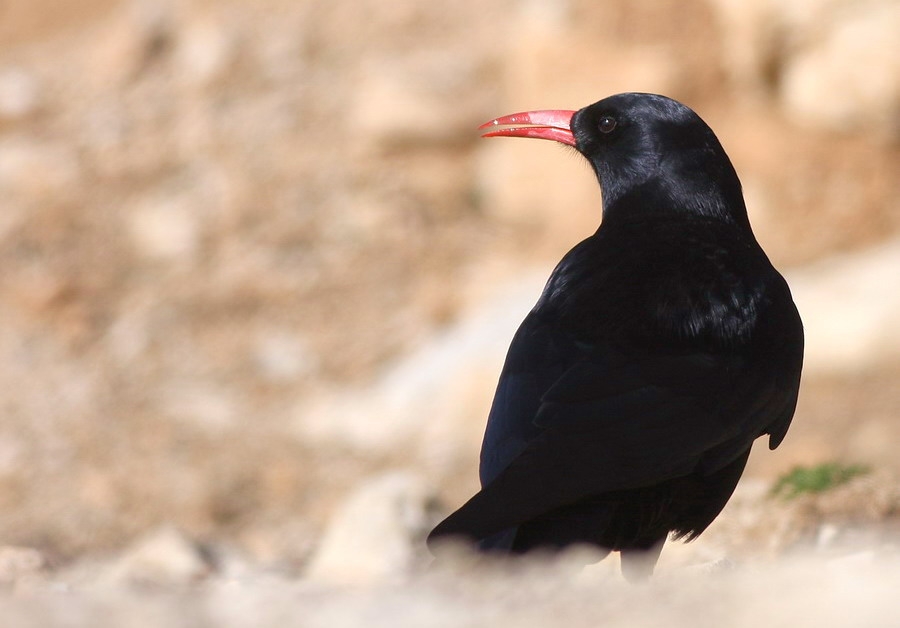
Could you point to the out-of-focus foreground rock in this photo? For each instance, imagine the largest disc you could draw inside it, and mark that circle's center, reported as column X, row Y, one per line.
column 254, row 252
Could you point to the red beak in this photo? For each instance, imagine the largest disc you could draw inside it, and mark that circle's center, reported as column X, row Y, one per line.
column 549, row 124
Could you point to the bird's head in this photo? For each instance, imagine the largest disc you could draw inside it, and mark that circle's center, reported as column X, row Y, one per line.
column 641, row 145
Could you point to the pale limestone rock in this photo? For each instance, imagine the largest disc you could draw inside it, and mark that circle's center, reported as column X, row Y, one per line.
column 19, row 94
column 424, row 97
column 164, row 229
column 205, row 50
column 833, row 63
column 127, row 41
column 435, row 400
column 752, row 42
column 284, row 356
column 848, row 78
column 850, row 305
column 20, row 563
column 163, row 557
column 35, row 171
column 202, row 403
column 372, row 536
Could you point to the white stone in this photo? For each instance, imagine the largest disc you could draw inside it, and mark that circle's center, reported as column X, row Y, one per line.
column 827, row 535
column 372, row 536
column 164, row 229
column 201, row 403
column 164, row 557
column 850, row 305
column 19, row 562
column 849, row 79
column 283, row 356
column 205, row 49
column 18, row 93
column 33, row 170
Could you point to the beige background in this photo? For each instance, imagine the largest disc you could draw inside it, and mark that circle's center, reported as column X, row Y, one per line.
column 254, row 253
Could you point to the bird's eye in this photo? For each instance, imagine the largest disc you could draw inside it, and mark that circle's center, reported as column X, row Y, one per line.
column 607, row 124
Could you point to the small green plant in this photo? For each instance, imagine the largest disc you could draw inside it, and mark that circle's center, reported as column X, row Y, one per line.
column 815, row 479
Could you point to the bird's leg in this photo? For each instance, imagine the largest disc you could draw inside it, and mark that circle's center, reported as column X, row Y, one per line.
column 638, row 564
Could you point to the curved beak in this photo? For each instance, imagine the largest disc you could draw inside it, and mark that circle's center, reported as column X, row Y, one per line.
column 547, row 124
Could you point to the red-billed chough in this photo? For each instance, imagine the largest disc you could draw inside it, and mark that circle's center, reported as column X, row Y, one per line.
column 661, row 347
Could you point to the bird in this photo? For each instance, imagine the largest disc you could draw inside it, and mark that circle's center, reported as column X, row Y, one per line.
column 661, row 347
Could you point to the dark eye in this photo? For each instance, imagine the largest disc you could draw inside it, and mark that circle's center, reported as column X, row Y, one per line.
column 607, row 124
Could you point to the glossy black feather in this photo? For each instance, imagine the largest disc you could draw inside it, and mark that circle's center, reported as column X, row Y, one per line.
column 661, row 348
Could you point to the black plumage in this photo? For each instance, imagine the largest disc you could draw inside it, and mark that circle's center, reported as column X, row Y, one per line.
column 662, row 346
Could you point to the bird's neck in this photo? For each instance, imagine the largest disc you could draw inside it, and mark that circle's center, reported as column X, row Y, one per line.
column 660, row 197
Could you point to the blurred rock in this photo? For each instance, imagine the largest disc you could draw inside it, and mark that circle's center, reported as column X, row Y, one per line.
column 833, row 64
column 438, row 396
column 850, row 305
column 284, row 357
column 372, row 536
column 131, row 38
column 547, row 65
column 842, row 519
column 205, row 50
column 164, row 229
column 165, row 557
column 35, row 171
column 284, row 546
column 826, row 535
column 425, row 97
column 752, row 43
column 20, row 564
column 18, row 94
column 848, row 77
column 204, row 404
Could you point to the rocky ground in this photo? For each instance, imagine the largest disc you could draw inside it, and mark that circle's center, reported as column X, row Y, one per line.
column 259, row 274
column 828, row 560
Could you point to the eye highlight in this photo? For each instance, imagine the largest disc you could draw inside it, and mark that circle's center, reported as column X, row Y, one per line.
column 606, row 124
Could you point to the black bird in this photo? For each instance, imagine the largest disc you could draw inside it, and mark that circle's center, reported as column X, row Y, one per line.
column 661, row 347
